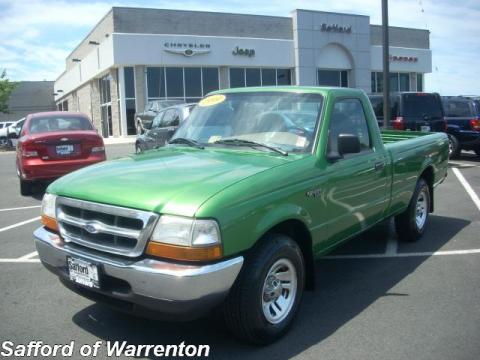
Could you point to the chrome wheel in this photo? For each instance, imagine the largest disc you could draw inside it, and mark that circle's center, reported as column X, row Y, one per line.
column 421, row 209
column 279, row 291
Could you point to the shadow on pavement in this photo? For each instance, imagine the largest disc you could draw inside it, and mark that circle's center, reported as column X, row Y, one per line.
column 344, row 288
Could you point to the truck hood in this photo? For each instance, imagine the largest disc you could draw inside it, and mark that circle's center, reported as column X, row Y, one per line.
column 172, row 180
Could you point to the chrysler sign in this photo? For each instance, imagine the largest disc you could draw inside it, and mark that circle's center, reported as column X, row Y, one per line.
column 186, row 49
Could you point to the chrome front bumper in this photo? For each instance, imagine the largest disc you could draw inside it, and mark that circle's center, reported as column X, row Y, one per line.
column 147, row 284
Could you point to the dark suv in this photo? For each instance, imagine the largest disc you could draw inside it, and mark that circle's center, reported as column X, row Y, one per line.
column 163, row 127
column 463, row 123
column 415, row 111
column 144, row 119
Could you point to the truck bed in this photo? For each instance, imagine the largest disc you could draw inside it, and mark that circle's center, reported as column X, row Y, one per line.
column 392, row 136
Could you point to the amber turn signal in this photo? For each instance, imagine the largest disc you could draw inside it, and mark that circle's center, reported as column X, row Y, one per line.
column 184, row 253
column 50, row 223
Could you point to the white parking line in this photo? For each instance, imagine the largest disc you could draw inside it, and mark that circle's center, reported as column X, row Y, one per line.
column 19, row 224
column 28, row 256
column 403, row 255
column 21, row 208
column 19, row 261
column 467, row 187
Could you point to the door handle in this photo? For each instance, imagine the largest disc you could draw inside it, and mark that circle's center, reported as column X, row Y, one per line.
column 379, row 165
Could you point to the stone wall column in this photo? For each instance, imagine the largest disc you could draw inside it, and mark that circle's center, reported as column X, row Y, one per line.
column 95, row 108
column 116, row 119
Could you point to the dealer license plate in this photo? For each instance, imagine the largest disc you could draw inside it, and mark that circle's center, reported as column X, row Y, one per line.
column 425, row 128
column 64, row 149
column 83, row 272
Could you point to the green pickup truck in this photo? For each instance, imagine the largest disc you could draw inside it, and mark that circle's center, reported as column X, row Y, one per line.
column 230, row 216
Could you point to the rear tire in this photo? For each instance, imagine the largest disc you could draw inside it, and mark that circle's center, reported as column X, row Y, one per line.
column 410, row 225
column 25, row 188
column 454, row 149
column 264, row 300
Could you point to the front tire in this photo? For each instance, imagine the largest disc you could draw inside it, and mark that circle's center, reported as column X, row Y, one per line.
column 264, row 300
column 410, row 225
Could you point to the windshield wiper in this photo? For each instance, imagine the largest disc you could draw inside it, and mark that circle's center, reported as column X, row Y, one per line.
column 242, row 142
column 186, row 141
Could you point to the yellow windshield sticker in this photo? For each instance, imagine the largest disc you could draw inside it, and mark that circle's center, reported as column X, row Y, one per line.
column 212, row 100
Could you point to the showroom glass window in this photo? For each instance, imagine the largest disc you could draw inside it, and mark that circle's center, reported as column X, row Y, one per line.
column 332, row 78
column 106, row 106
column 242, row 77
column 398, row 82
column 419, row 82
column 189, row 84
column 129, row 77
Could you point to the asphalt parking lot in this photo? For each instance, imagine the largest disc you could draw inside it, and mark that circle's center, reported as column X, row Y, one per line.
column 375, row 298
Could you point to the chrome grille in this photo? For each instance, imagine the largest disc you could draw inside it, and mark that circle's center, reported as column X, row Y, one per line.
column 108, row 228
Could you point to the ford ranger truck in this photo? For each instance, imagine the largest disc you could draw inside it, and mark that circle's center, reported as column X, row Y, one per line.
column 231, row 215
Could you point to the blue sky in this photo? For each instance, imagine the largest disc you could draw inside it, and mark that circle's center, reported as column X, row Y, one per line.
column 37, row 35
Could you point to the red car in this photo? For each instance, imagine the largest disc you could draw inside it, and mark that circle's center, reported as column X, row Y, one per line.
column 52, row 144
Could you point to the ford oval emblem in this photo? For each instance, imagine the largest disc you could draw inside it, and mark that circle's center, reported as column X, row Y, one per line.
column 91, row 228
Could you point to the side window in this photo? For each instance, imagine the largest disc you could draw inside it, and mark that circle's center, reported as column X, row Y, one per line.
column 157, row 119
column 169, row 118
column 348, row 117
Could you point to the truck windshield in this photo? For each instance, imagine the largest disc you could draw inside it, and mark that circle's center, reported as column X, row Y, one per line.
column 283, row 120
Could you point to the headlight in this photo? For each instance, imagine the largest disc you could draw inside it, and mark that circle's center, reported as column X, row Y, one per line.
column 185, row 239
column 48, row 211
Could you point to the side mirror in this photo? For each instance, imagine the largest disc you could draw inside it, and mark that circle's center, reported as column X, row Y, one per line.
column 346, row 144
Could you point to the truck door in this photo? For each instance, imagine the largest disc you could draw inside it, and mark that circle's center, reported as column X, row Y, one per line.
column 356, row 189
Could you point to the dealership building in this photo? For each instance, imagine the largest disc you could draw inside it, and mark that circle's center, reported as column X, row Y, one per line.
column 135, row 55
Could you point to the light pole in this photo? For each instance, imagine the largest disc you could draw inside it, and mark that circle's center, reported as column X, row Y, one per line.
column 386, row 66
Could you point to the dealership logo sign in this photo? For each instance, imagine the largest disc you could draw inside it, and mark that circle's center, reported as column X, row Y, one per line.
column 413, row 59
column 186, row 49
column 243, row 52
column 336, row 28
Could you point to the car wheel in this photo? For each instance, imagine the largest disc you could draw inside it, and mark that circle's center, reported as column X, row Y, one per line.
column 453, row 147
column 3, row 141
column 263, row 301
column 410, row 225
column 26, row 188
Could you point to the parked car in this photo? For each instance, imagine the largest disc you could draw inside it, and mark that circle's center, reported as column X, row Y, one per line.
column 233, row 212
column 463, row 123
column 52, row 144
column 415, row 111
column 5, row 124
column 144, row 119
column 163, row 127
column 10, row 132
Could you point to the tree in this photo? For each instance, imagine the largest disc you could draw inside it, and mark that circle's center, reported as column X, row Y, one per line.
column 6, row 88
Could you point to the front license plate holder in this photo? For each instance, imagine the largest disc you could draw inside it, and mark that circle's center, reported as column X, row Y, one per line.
column 83, row 272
